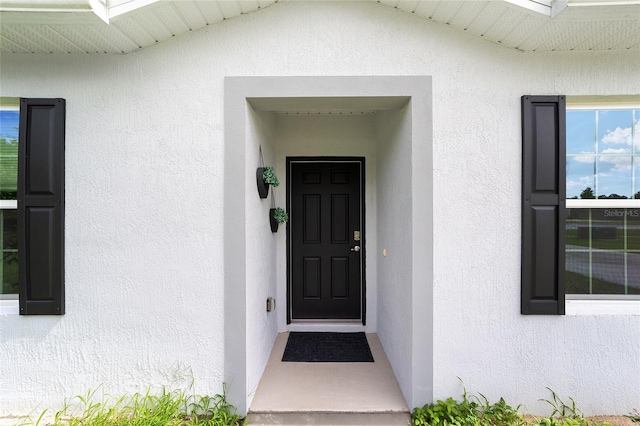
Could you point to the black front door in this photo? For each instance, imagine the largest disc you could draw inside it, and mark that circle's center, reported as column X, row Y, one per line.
column 326, row 236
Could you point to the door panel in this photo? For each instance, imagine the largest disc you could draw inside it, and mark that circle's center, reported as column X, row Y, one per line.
column 326, row 210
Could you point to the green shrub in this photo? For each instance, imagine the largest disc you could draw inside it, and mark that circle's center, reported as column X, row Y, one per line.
column 471, row 411
column 478, row 411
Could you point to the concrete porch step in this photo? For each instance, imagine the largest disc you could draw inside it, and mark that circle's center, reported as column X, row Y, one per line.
column 330, row 419
column 328, row 393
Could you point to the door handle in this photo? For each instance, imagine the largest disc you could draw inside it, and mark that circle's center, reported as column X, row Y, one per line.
column 355, row 248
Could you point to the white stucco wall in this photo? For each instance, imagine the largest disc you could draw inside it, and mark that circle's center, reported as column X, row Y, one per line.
column 395, row 323
column 144, row 238
column 261, row 248
column 143, row 265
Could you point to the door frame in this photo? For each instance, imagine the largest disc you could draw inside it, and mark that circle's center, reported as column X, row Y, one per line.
column 363, row 232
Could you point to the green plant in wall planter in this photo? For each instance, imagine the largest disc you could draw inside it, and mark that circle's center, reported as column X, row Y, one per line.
column 266, row 176
column 276, row 217
column 269, row 176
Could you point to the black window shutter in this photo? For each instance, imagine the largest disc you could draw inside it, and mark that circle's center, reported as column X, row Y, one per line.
column 41, row 206
column 543, row 204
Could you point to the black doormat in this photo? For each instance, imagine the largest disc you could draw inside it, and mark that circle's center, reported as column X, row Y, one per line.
column 327, row 347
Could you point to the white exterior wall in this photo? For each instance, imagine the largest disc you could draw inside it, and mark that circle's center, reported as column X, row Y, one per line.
column 395, row 234
column 260, row 243
column 144, row 207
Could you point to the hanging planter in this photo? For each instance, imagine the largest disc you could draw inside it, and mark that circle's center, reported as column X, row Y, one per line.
column 266, row 176
column 276, row 217
column 263, row 187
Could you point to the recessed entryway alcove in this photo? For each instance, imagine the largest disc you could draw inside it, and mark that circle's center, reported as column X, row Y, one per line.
column 268, row 119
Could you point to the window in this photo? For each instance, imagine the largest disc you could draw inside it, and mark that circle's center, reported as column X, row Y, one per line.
column 580, row 204
column 32, row 138
column 9, row 115
column 603, row 201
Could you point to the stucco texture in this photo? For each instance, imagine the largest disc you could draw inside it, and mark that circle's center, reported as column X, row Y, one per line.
column 144, row 207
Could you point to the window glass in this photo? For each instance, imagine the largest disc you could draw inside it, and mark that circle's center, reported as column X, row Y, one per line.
column 636, row 174
column 9, row 239
column 614, row 177
column 581, row 132
column 580, row 175
column 603, row 165
column 602, row 155
column 636, row 131
column 8, row 154
column 614, row 131
column 603, row 251
column 9, row 119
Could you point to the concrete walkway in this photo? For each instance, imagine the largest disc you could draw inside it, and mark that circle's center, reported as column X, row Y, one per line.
column 328, row 393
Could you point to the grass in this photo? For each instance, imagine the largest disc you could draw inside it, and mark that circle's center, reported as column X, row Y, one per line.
column 478, row 411
column 171, row 408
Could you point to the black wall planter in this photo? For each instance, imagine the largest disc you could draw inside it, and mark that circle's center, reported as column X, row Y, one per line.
column 273, row 221
column 263, row 187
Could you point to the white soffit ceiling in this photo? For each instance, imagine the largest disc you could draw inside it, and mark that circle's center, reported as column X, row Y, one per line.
column 119, row 26
column 527, row 25
column 123, row 26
